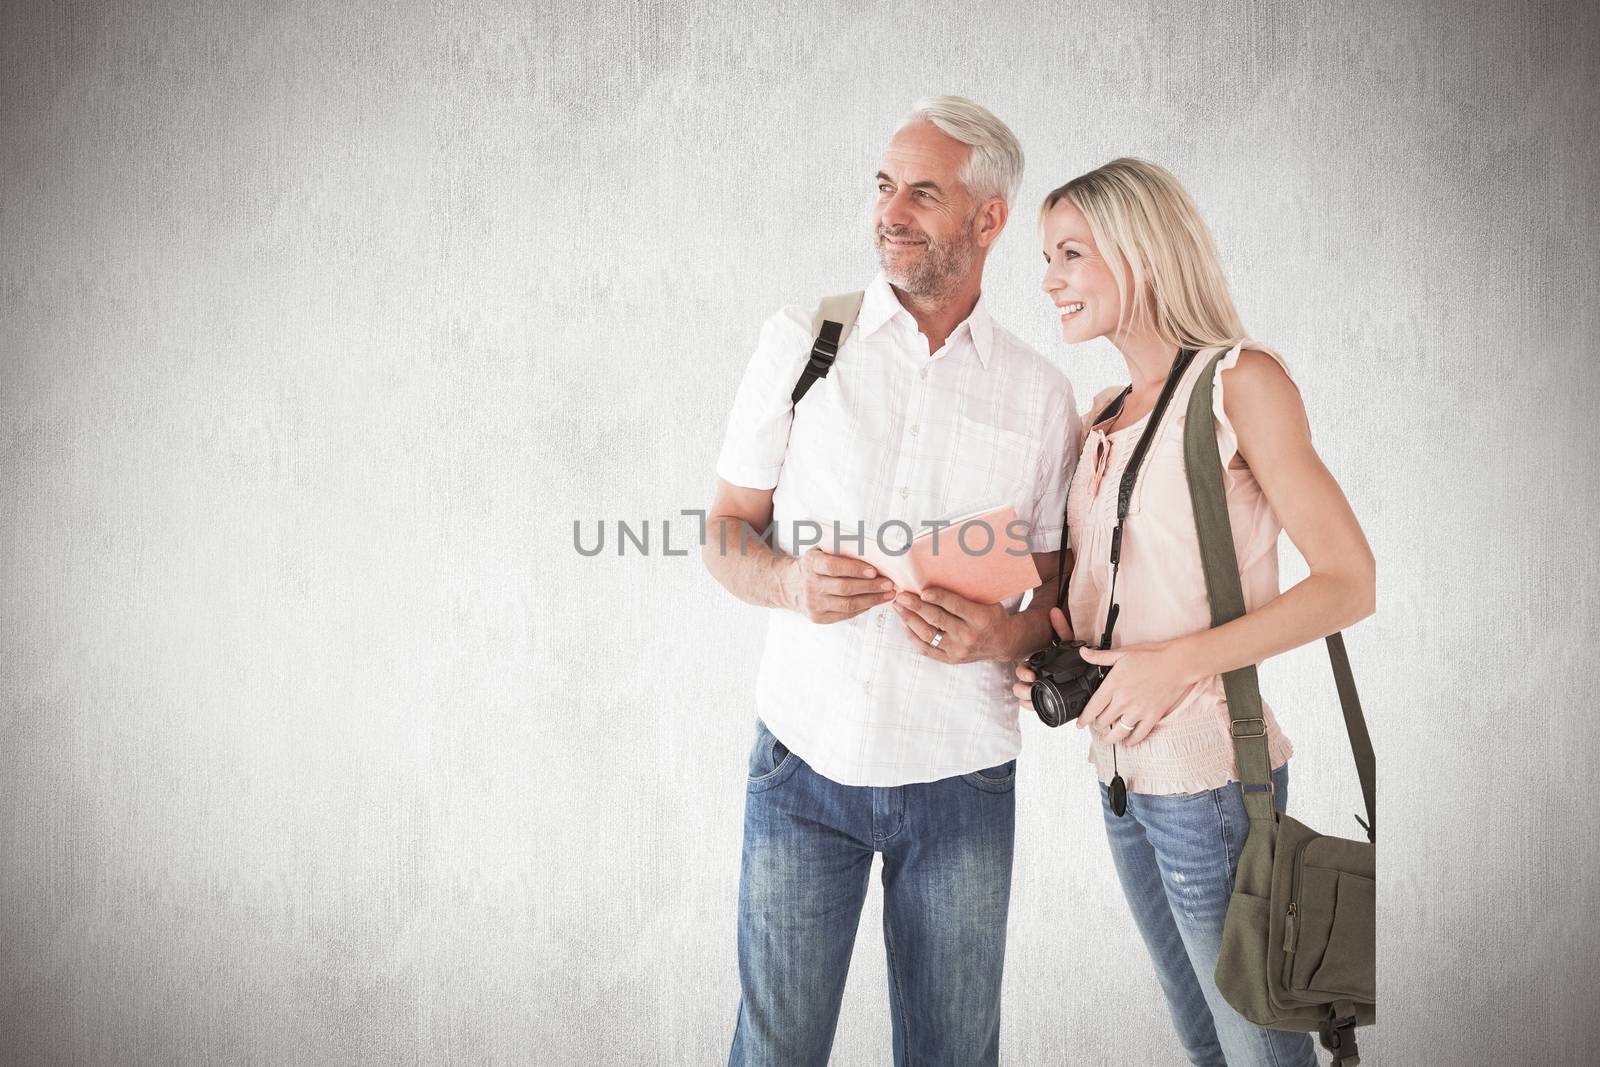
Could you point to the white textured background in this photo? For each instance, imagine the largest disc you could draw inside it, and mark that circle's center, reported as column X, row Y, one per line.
column 321, row 323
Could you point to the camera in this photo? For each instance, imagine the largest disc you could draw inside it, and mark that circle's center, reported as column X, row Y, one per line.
column 1063, row 681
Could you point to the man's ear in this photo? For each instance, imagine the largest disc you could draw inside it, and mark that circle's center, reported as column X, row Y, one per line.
column 991, row 219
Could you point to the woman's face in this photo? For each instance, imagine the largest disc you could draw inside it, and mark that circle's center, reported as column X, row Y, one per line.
column 1076, row 279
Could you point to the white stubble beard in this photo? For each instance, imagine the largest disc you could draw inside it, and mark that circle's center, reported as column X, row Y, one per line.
column 941, row 267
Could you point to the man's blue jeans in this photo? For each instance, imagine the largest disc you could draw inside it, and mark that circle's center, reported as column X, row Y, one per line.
column 808, row 846
column 1177, row 857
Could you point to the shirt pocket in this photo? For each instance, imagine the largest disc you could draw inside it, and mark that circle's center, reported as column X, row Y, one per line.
column 988, row 466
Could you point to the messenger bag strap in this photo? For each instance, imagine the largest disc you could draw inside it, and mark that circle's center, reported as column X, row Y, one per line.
column 1203, row 461
column 1355, row 724
column 829, row 327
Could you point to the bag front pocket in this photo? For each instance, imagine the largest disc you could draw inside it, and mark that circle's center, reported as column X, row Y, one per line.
column 1349, row 962
column 1329, row 929
column 1308, row 925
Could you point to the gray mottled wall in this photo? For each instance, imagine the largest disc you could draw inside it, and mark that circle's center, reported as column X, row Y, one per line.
column 321, row 323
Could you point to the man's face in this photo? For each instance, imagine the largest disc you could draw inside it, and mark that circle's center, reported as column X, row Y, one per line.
column 923, row 223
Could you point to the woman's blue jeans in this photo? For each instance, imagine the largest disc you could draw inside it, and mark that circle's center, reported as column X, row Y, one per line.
column 1176, row 857
column 808, row 847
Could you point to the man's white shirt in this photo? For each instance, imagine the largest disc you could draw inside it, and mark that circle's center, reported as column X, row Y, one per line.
column 893, row 433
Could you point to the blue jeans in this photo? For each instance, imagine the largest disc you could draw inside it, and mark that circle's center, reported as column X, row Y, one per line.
column 1176, row 857
column 808, row 846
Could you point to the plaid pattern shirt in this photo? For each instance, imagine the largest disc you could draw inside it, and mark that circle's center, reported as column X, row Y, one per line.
column 895, row 434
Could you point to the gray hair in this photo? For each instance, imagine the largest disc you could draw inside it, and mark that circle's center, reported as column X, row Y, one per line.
column 994, row 167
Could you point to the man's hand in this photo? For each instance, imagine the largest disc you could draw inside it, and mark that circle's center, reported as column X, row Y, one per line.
column 972, row 631
column 1023, row 688
column 828, row 588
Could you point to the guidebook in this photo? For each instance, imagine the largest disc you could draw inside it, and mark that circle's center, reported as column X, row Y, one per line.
column 986, row 565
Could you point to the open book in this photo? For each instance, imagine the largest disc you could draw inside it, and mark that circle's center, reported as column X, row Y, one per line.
column 979, row 564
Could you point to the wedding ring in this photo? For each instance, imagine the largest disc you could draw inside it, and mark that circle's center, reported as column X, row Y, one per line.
column 936, row 639
column 1123, row 725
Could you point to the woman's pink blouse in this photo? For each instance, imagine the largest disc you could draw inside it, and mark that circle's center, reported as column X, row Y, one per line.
column 1161, row 586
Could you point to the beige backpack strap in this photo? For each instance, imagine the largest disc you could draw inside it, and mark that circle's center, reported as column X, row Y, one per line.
column 842, row 309
column 829, row 327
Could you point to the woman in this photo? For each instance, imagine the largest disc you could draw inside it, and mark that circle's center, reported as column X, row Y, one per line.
column 1130, row 260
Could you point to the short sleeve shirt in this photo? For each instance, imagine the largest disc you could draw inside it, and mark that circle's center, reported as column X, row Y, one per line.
column 894, row 433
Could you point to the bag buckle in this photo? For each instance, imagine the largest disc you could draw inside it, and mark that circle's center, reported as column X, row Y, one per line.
column 822, row 358
column 1236, row 723
column 1338, row 1036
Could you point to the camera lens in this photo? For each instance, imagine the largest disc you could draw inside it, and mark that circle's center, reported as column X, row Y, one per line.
column 1047, row 701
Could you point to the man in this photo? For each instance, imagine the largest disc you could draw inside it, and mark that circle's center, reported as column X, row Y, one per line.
column 877, row 732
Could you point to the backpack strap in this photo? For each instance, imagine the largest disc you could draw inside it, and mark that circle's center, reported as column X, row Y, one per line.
column 829, row 327
column 1203, row 461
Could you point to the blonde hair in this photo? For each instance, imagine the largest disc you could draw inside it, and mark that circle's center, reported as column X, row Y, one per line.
column 1147, row 228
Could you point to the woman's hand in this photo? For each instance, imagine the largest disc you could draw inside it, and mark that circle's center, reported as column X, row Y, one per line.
column 1146, row 685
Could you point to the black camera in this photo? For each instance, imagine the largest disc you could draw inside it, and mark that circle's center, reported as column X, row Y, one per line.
column 1063, row 681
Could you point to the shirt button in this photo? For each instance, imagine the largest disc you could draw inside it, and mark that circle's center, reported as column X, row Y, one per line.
column 881, row 617
column 924, row 373
column 913, row 431
column 867, row 688
column 904, row 492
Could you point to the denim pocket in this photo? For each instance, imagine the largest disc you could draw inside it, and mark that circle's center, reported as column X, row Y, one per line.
column 996, row 779
column 770, row 760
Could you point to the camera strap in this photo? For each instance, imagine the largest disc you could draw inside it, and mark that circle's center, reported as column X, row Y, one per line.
column 1129, row 476
column 1118, row 790
column 1125, row 491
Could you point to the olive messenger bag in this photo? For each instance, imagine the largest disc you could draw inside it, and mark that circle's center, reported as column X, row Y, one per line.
column 1298, row 945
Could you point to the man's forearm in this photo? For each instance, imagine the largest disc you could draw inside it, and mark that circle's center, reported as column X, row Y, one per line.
column 745, row 565
column 1025, row 632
